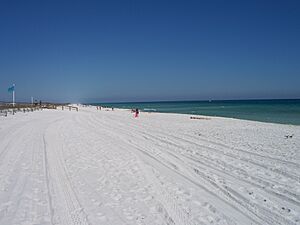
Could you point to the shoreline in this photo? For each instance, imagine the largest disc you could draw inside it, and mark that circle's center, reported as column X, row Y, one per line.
column 279, row 111
column 201, row 115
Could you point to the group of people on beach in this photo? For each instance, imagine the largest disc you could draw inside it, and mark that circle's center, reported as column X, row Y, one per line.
column 100, row 108
column 135, row 111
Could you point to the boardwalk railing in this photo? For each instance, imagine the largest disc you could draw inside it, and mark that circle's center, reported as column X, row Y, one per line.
column 6, row 109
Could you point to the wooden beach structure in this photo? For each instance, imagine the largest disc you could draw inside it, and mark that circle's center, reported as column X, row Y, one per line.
column 8, row 108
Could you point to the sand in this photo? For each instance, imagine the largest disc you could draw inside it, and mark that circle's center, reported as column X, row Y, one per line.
column 106, row 167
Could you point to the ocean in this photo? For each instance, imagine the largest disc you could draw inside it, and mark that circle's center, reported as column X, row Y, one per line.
column 274, row 111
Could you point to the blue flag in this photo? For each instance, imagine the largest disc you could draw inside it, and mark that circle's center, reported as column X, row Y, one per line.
column 11, row 89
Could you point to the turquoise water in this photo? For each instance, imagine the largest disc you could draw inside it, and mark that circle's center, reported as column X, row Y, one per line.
column 274, row 111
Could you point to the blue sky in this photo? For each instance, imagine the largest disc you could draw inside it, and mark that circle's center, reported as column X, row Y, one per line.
column 146, row 50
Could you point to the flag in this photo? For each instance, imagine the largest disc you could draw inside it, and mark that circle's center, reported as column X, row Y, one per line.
column 11, row 89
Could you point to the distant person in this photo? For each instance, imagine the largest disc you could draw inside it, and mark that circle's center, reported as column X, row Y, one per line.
column 136, row 113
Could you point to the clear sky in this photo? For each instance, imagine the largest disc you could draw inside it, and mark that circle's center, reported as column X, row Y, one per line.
column 143, row 50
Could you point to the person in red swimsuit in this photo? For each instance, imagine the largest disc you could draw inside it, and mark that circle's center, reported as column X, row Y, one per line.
column 136, row 113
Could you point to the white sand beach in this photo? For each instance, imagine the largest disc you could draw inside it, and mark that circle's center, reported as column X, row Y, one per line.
column 106, row 167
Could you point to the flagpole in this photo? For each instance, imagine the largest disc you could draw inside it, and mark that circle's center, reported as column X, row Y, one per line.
column 13, row 95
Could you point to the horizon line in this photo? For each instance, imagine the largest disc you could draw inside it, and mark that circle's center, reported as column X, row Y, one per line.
column 208, row 100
